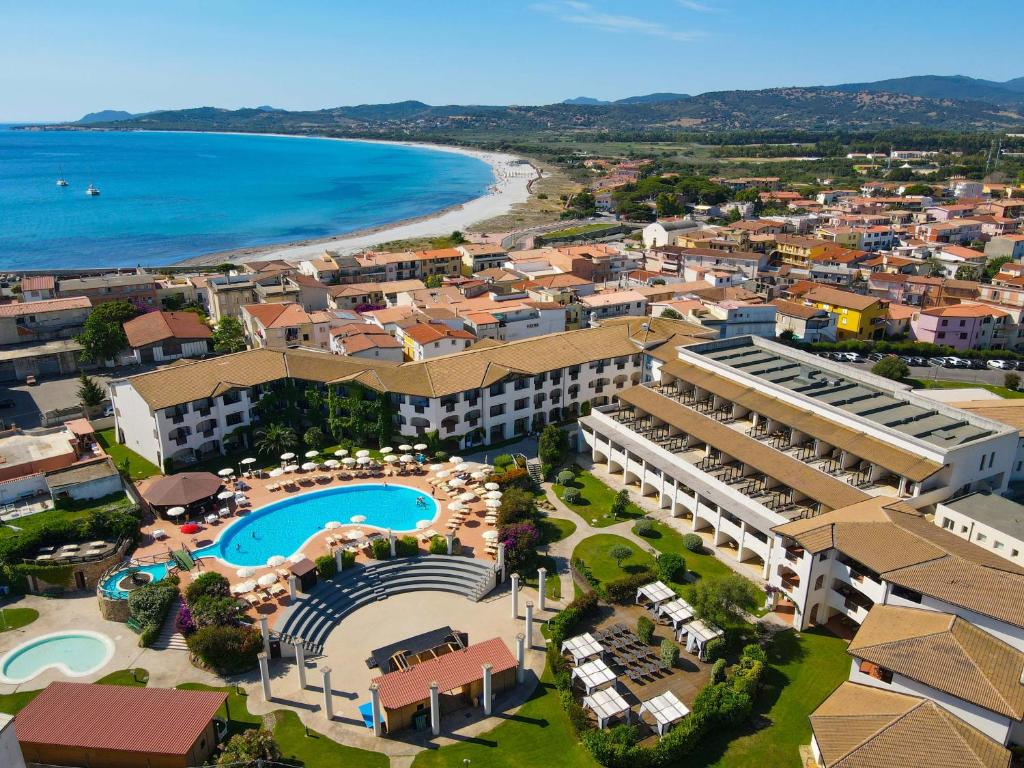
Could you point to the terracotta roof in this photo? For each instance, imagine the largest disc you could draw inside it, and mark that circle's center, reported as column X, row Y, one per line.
column 946, row 653
column 804, row 479
column 837, row 298
column 38, row 283
column 278, row 315
column 901, row 311
column 363, row 341
column 40, row 307
column 424, row 333
column 153, row 327
column 164, row 721
column 965, row 310
column 794, row 309
column 859, row 726
column 450, row 671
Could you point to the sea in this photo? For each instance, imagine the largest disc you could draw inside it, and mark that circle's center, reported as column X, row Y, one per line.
column 165, row 197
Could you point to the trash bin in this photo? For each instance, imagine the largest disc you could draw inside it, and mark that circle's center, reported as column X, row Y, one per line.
column 275, row 648
column 419, row 720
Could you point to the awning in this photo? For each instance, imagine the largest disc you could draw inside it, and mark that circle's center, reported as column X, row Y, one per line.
column 656, row 592
column 677, row 611
column 666, row 709
column 582, row 647
column 606, row 704
column 593, row 675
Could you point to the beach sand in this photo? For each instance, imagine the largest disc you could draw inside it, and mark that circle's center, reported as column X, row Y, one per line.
column 512, row 180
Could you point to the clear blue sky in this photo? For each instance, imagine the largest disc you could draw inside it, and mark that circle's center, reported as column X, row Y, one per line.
column 59, row 60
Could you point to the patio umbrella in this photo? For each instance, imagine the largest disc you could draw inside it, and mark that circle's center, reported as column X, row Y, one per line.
column 386, row 450
column 276, row 472
column 420, row 447
column 341, row 452
column 391, row 458
column 407, row 458
column 248, row 460
column 266, row 579
column 225, row 495
column 467, row 496
column 436, row 467
column 245, row 573
column 190, row 528
column 455, row 459
column 296, row 557
column 176, row 511
column 362, row 454
column 490, row 535
column 226, row 472
column 357, row 519
column 348, row 461
column 457, row 482
column 492, row 503
column 354, row 535
column 245, row 586
column 311, row 454
column 478, row 475
column 275, row 560
column 292, row 468
column 331, row 463
column 456, row 506
column 332, row 524
column 287, row 456
column 492, row 486
column 493, row 494
column 463, row 467
column 443, row 474
column 421, row 524
column 363, row 460
column 308, row 466
column 405, row 447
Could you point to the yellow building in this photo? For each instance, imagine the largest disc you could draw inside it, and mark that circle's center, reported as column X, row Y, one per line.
column 857, row 317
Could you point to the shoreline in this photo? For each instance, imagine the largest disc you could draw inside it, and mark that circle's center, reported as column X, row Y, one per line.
column 512, row 183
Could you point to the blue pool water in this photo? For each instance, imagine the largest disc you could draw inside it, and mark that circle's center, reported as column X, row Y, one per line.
column 72, row 653
column 157, row 571
column 283, row 527
column 169, row 196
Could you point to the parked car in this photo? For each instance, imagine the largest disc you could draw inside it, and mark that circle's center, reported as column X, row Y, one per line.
column 976, row 364
column 852, row 357
column 874, row 357
column 938, row 362
column 956, row 362
column 1002, row 365
column 919, row 361
column 108, row 409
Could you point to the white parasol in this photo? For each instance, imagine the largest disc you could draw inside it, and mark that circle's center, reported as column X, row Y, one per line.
column 363, row 460
column 478, row 475
column 332, row 524
column 463, row 467
column 492, row 486
column 341, row 452
column 456, row 506
column 405, row 447
column 225, row 495
column 354, row 535
column 357, row 519
column 245, row 586
column 457, row 482
column 296, row 557
column 421, row 524
column 467, row 496
column 443, row 474
column 308, row 466
column 493, row 503
column 292, row 468
column 407, row 458
column 386, row 450
column 175, row 511
column 311, row 454
column 248, row 460
column 490, row 535
column 436, row 467
column 348, row 461
column 276, row 472
column 275, row 560
column 390, row 458
column 455, row 459
column 266, row 579
column 226, row 472
column 287, row 456
column 245, row 572
column 331, row 463
column 363, row 453
column 420, row 447
column 493, row 495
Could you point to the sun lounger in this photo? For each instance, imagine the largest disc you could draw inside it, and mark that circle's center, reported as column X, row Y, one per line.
column 224, row 512
column 331, row 541
column 211, row 519
column 278, row 589
column 284, row 573
column 159, row 534
column 252, row 600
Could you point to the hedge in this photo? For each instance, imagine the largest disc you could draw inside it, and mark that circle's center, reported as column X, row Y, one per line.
column 561, row 627
column 439, row 545
column 326, row 567
column 381, row 549
column 407, row 546
column 148, row 606
column 209, row 584
column 623, row 591
column 226, row 650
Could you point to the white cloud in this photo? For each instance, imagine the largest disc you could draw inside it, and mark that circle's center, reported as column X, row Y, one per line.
column 692, row 5
column 584, row 14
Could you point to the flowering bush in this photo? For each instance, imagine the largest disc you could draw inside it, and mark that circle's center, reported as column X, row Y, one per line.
column 520, row 540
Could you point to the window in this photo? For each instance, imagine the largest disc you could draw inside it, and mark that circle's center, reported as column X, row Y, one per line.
column 998, row 545
column 497, row 410
column 947, row 524
column 233, row 419
column 981, row 537
column 521, row 403
column 819, row 582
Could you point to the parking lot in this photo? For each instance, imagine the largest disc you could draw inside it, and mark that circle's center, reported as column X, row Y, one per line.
column 937, row 372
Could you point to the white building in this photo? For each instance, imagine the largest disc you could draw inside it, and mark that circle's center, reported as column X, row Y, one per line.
column 664, row 232
column 601, row 306
column 991, row 522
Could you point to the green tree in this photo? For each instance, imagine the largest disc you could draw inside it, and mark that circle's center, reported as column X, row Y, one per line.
column 314, row 438
column 275, row 439
column 434, row 281
column 667, row 205
column 249, row 748
column 619, row 553
column 228, row 336
column 1011, row 381
column 552, row 445
column 724, row 600
column 992, row 268
column 670, row 314
column 457, row 238
column 916, row 190
column 103, row 333
column 90, row 394
column 966, row 272
column 621, row 503
column 891, row 367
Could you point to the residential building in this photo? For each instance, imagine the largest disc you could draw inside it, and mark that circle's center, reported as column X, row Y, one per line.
column 139, row 289
column 663, row 232
column 366, row 296
column 728, row 318
column 421, row 341
column 323, row 270
column 991, row 522
column 283, row 325
column 956, row 231
column 43, row 320
column 601, row 306
column 365, row 340
column 37, row 451
column 964, row 326
column 225, row 295
column 38, row 288
column 859, row 317
column 808, row 324
column 159, row 337
column 513, row 321
column 673, row 259
column 1005, row 246
column 477, row 257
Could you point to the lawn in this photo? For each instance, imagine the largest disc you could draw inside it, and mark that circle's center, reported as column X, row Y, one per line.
column 40, row 519
column 944, row 384
column 312, row 750
column 554, row 529
column 580, row 230
column 595, row 502
column 804, row 669
column 538, row 734
column 13, row 703
column 16, row 618
column 138, row 467
column 595, row 552
column 552, row 584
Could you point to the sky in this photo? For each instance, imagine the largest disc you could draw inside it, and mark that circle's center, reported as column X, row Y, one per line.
column 60, row 60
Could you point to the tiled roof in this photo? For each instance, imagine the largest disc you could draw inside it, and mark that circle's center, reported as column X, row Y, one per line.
column 946, row 653
column 863, row 727
column 40, row 307
column 38, row 283
column 152, row 327
column 837, row 298
column 794, row 309
column 450, row 671
column 965, row 310
column 163, row 721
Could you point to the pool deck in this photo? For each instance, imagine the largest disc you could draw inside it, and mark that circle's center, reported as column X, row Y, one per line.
column 470, row 533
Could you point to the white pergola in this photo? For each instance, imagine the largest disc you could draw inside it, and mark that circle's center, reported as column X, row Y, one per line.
column 677, row 611
column 666, row 709
column 605, row 705
column 582, row 647
column 656, row 592
column 594, row 675
column 698, row 633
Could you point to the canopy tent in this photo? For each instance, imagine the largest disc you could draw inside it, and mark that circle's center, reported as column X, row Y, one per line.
column 582, row 647
column 182, row 489
column 656, row 592
column 605, row 705
column 594, row 675
column 677, row 611
column 698, row 634
column 666, row 709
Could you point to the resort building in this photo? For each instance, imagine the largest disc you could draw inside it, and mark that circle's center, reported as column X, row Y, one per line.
column 992, row 522
column 159, row 337
column 488, row 393
column 740, row 436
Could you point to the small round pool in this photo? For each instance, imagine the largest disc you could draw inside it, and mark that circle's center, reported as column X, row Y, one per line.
column 117, row 585
column 74, row 654
column 283, row 527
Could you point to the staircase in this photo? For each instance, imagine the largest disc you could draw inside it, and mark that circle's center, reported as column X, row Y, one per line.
column 170, row 638
column 532, row 467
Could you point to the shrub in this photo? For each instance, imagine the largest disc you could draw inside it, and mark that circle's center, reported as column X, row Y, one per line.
column 671, row 567
column 210, row 610
column 645, row 629
column 1011, row 380
column 571, row 496
column 754, row 652
column 718, row 671
column 748, row 680
column 513, row 477
column 517, row 506
column 669, row 652
column 623, row 591
column 577, row 715
column 407, row 546
column 621, row 504
column 552, row 445
column 565, row 477
column 643, row 527
column 326, row 567
column 348, row 559
column 520, row 540
column 565, row 621
column 693, row 543
column 149, row 604
column 503, row 460
column 714, row 649
column 380, row 549
column 226, row 650
column 891, row 367
column 209, row 584
column 439, row 545
column 250, row 747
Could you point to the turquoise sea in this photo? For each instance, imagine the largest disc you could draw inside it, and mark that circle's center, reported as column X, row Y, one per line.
column 168, row 196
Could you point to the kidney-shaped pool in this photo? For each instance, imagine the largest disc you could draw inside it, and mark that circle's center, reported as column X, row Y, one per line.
column 74, row 653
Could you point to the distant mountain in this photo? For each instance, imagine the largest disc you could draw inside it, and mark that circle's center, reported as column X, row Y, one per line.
column 584, row 101
column 945, row 87
column 106, row 116
column 654, row 98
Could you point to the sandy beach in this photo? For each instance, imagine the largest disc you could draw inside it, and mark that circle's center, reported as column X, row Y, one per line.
column 512, row 178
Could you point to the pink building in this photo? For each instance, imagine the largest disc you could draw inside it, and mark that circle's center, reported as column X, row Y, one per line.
column 963, row 326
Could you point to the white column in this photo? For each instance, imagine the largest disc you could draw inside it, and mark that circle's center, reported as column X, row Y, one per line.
column 435, row 710
column 293, row 586
column 300, row 665
column 375, row 709
column 391, row 542
column 328, row 695
column 515, row 595
column 265, row 675
column 450, row 541
column 487, row 688
column 520, row 657
column 501, row 559
column 529, row 624
column 339, row 561
column 265, row 631
column 542, row 574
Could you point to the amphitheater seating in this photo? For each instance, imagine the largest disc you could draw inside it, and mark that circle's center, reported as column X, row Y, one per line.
column 310, row 620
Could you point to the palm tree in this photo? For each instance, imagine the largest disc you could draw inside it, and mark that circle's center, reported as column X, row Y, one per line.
column 275, row 439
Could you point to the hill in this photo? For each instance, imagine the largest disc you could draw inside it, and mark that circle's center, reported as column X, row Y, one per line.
column 946, row 87
column 105, row 116
column 654, row 98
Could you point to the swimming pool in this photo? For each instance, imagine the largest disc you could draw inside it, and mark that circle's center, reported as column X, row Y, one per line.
column 283, row 527
column 74, row 654
column 111, row 590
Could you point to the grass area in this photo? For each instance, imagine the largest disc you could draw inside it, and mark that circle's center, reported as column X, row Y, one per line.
column 312, row 750
column 138, row 467
column 595, row 504
column 580, row 230
column 16, row 618
column 552, row 584
column 78, row 512
column 595, row 551
column 945, row 384
column 538, row 734
column 13, row 703
column 803, row 670
column 554, row 529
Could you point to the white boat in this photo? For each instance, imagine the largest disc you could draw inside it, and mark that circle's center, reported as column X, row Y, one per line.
column 92, row 191
column 62, row 182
